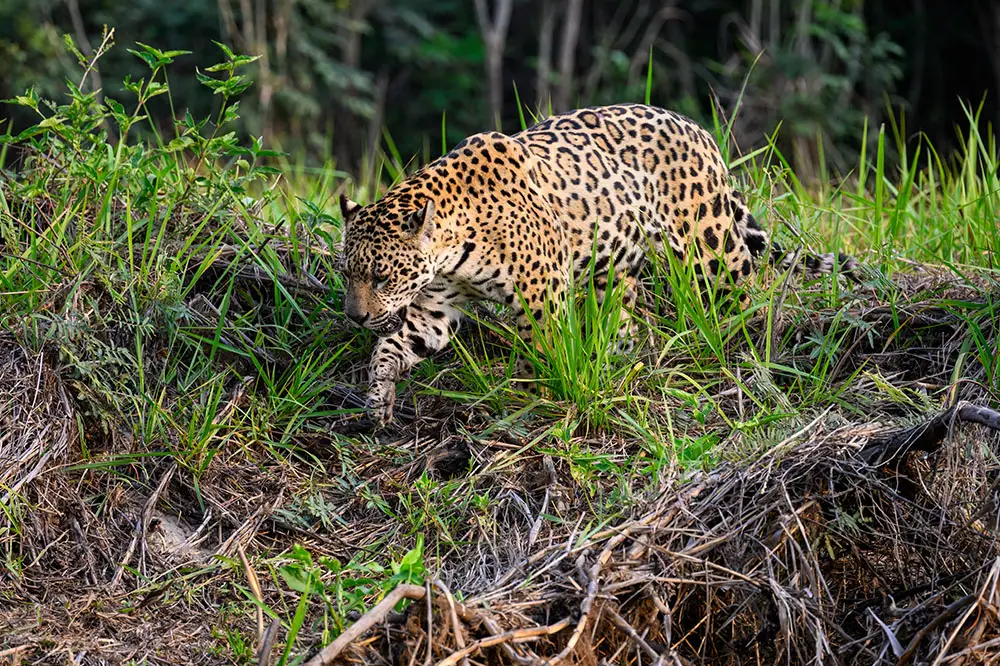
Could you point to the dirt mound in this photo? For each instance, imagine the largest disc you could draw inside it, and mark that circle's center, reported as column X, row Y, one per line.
column 853, row 540
column 842, row 545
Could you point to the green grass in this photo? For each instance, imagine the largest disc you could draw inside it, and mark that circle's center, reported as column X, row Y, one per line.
column 166, row 271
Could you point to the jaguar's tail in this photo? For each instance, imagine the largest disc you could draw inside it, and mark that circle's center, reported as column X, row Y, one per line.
column 813, row 265
column 798, row 261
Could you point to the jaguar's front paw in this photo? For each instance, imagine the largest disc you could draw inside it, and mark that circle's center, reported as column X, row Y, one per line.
column 381, row 396
column 527, row 381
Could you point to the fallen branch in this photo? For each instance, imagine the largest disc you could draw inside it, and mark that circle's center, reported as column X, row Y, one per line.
column 366, row 622
column 512, row 652
column 255, row 588
column 264, row 651
column 950, row 611
column 630, row 631
column 594, row 574
column 309, row 285
column 890, row 446
column 516, row 635
column 142, row 524
column 456, row 626
column 430, row 624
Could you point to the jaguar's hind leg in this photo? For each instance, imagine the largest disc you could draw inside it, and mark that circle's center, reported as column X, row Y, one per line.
column 627, row 336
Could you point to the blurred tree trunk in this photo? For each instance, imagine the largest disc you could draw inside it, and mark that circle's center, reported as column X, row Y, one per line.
column 371, row 157
column 675, row 46
column 345, row 123
column 756, row 17
column 567, row 54
column 990, row 26
column 607, row 33
column 252, row 39
column 494, row 31
column 804, row 147
column 774, row 29
column 666, row 13
column 84, row 45
column 543, row 91
column 826, row 52
column 996, row 55
column 282, row 21
column 919, row 54
column 266, row 89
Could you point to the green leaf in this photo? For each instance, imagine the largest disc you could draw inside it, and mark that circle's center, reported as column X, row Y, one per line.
column 300, row 579
column 52, row 122
column 301, row 576
column 156, row 53
column 179, row 144
column 215, row 85
column 225, row 49
column 145, row 56
column 231, row 114
column 331, row 563
column 189, row 119
column 156, row 88
column 71, row 45
column 243, row 60
column 236, row 85
column 34, row 130
column 134, row 88
column 411, row 569
column 300, row 554
column 29, row 99
column 115, row 106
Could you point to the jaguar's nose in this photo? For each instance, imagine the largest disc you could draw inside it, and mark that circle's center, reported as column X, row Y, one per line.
column 359, row 318
column 353, row 309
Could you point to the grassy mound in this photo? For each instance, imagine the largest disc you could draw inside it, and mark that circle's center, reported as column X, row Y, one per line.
column 186, row 474
column 790, row 557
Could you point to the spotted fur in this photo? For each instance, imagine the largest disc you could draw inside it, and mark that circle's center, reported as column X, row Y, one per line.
column 500, row 214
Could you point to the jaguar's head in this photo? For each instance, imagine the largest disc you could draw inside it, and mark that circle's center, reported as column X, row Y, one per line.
column 386, row 258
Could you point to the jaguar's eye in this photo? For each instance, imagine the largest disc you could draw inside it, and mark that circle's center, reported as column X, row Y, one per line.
column 379, row 280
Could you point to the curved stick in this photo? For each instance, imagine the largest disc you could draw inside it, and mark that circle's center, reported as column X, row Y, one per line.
column 366, row 622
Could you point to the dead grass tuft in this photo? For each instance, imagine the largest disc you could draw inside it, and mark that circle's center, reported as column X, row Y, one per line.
column 849, row 544
column 37, row 416
column 866, row 535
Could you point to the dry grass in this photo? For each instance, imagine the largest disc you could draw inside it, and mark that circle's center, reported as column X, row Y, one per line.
column 832, row 546
column 844, row 544
column 37, row 417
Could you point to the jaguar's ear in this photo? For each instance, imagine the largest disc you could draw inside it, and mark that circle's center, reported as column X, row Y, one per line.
column 339, row 259
column 348, row 208
column 421, row 224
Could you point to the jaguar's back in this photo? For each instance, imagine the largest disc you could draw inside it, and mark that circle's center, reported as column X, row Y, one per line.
column 626, row 175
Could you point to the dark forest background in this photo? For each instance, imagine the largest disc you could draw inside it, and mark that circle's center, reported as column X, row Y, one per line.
column 334, row 73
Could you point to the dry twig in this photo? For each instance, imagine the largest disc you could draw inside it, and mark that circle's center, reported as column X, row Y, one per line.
column 516, row 635
column 142, row 524
column 328, row 654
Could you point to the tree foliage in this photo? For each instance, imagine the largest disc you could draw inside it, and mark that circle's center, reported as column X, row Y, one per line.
column 332, row 73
